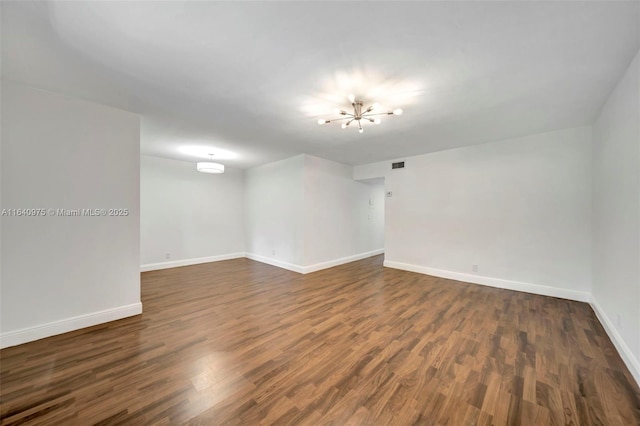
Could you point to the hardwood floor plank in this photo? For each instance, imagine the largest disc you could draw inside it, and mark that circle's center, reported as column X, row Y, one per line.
column 240, row 342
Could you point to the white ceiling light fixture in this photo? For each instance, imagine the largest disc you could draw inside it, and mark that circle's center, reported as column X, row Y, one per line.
column 210, row 166
column 359, row 114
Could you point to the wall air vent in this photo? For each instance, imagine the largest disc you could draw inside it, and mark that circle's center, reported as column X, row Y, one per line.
column 398, row 165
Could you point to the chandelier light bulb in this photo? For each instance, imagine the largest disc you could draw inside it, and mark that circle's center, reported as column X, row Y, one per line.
column 397, row 111
column 352, row 98
column 375, row 106
column 344, row 125
column 377, row 121
column 322, row 121
column 360, row 130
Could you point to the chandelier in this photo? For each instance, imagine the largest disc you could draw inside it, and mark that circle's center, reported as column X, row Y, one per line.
column 359, row 114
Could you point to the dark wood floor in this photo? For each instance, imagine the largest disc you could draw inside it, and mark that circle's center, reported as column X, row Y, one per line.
column 239, row 342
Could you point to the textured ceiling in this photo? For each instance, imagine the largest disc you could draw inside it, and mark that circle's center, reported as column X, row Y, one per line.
column 251, row 79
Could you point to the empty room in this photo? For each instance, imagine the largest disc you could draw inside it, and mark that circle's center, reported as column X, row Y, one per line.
column 314, row 213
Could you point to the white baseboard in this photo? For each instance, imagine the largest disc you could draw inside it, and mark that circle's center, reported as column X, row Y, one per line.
column 29, row 334
column 563, row 293
column 187, row 262
column 312, row 268
column 274, row 262
column 627, row 356
column 341, row 261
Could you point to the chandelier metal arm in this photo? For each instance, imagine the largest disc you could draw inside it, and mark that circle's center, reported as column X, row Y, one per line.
column 378, row 113
column 351, row 117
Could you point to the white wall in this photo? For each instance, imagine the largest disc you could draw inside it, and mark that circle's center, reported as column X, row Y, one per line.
column 519, row 209
column 274, row 198
column 64, row 273
column 616, row 216
column 306, row 213
column 191, row 216
column 376, row 211
column 372, row 171
column 342, row 217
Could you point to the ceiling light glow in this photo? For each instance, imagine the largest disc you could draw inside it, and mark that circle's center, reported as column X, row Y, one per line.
column 205, row 151
column 339, row 92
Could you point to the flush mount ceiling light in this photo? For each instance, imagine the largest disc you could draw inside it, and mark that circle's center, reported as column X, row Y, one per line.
column 210, row 167
column 359, row 114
